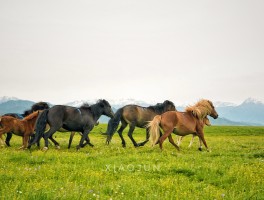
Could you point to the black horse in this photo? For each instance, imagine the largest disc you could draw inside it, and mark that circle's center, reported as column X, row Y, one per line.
column 70, row 118
column 37, row 106
column 135, row 116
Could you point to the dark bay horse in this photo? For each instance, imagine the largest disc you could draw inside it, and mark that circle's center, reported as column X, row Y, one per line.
column 35, row 107
column 70, row 118
column 135, row 116
column 21, row 127
column 181, row 123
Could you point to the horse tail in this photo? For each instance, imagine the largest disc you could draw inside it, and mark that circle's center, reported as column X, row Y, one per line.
column 40, row 126
column 154, row 129
column 113, row 124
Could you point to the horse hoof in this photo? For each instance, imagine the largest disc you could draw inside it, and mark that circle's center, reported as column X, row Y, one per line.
column 200, row 148
column 45, row 148
column 57, row 147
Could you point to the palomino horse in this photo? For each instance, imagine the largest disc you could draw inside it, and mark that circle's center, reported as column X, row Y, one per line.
column 70, row 118
column 179, row 139
column 135, row 116
column 181, row 123
column 24, row 127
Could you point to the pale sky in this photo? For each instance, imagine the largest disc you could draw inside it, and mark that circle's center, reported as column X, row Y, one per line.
column 61, row 51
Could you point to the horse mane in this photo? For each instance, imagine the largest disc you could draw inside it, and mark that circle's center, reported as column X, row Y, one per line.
column 94, row 108
column 201, row 109
column 85, row 105
column 160, row 107
column 37, row 106
column 100, row 102
column 31, row 116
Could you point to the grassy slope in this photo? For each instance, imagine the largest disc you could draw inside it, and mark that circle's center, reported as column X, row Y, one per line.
column 233, row 170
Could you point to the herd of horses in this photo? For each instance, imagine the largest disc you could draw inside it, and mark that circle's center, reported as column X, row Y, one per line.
column 160, row 121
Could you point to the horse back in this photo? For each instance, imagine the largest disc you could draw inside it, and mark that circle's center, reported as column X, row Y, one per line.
column 138, row 115
column 11, row 124
column 182, row 123
column 68, row 117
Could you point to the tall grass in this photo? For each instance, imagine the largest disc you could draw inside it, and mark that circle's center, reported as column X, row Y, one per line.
column 234, row 169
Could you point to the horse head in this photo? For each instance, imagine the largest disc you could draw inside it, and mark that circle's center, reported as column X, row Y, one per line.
column 169, row 106
column 203, row 108
column 213, row 112
column 106, row 108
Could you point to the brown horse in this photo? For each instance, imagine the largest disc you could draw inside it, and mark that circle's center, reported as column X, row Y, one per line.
column 24, row 127
column 179, row 139
column 182, row 123
column 135, row 116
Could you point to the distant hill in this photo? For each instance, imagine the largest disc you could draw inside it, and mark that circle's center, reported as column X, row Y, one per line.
column 15, row 106
column 250, row 112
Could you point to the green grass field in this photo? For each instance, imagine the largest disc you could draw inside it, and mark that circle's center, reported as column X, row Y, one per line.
column 234, row 169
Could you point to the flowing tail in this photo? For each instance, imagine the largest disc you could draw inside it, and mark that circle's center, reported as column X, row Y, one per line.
column 40, row 126
column 113, row 124
column 154, row 129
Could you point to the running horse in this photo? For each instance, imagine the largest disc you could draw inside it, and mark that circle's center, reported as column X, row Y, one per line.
column 35, row 107
column 135, row 116
column 21, row 127
column 179, row 139
column 70, row 118
column 181, row 123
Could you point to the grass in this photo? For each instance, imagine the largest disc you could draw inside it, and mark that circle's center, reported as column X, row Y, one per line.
column 234, row 169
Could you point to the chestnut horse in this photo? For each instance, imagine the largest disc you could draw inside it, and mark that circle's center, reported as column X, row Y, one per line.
column 181, row 123
column 21, row 127
column 35, row 107
column 179, row 139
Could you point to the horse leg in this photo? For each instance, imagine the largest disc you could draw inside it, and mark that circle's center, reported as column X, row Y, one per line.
column 173, row 143
column 70, row 140
column 88, row 142
column 25, row 139
column 163, row 137
column 48, row 135
column 8, row 138
column 179, row 140
column 2, row 131
column 130, row 132
column 84, row 137
column 147, row 138
column 191, row 142
column 200, row 145
column 201, row 136
column 57, row 145
column 120, row 131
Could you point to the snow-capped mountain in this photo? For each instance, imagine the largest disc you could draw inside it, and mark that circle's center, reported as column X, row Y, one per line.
column 6, row 98
column 116, row 103
column 250, row 112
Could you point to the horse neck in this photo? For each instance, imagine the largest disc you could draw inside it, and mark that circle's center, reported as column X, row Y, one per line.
column 31, row 121
column 96, row 113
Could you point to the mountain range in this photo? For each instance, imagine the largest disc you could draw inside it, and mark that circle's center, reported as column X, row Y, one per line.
column 250, row 112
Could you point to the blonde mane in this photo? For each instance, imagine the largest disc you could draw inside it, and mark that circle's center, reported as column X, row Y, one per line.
column 201, row 109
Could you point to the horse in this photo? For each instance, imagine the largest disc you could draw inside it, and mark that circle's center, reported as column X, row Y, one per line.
column 24, row 127
column 70, row 118
column 179, row 139
column 37, row 106
column 181, row 123
column 135, row 116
